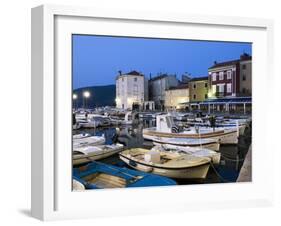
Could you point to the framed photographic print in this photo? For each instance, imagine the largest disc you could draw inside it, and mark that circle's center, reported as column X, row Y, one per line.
column 137, row 112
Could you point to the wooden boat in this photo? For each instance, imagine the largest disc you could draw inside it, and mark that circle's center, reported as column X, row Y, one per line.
column 196, row 151
column 209, row 143
column 165, row 127
column 169, row 164
column 88, row 141
column 97, row 175
column 77, row 186
column 87, row 154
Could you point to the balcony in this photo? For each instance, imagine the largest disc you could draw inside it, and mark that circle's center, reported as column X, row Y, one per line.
column 220, row 94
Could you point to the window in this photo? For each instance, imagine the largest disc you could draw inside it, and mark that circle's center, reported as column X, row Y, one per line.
column 206, row 85
column 221, row 88
column 244, row 66
column 228, row 74
column 221, row 75
column 244, row 77
column 228, row 87
column 214, row 76
column 194, row 86
column 194, row 96
column 135, row 79
column 244, row 90
column 206, row 96
column 122, row 79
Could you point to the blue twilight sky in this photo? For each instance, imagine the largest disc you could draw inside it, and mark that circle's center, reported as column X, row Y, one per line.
column 97, row 59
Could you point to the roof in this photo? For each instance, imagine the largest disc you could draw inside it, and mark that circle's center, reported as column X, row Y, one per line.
column 134, row 73
column 243, row 57
column 199, row 79
column 229, row 100
column 181, row 86
column 159, row 77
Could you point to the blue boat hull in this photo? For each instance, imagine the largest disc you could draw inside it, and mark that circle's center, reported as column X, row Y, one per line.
column 133, row 178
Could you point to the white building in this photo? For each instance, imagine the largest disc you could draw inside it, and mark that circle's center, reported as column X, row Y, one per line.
column 131, row 90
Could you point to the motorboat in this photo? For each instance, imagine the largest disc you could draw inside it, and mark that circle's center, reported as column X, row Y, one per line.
column 166, row 127
column 87, row 154
column 209, row 143
column 88, row 141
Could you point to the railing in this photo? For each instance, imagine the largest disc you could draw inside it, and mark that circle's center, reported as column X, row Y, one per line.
column 220, row 94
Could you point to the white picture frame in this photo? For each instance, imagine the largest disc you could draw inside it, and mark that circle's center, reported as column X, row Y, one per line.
column 52, row 197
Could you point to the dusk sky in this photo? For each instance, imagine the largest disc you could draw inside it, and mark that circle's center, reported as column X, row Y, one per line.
column 97, row 59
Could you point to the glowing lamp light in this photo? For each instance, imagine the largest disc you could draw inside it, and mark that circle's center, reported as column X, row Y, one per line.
column 74, row 96
column 86, row 94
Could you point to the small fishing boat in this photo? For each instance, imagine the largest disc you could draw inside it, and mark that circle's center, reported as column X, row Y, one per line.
column 165, row 127
column 88, row 141
column 94, row 121
column 77, row 186
column 169, row 164
column 196, row 151
column 87, row 154
column 209, row 143
column 81, row 135
column 97, row 175
column 241, row 124
column 76, row 126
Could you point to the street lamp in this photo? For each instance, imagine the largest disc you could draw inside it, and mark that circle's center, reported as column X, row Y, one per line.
column 74, row 97
column 86, row 95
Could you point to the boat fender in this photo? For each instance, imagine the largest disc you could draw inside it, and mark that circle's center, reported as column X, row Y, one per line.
column 132, row 163
column 175, row 129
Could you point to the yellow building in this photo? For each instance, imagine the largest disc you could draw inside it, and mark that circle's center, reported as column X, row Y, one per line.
column 198, row 89
column 176, row 96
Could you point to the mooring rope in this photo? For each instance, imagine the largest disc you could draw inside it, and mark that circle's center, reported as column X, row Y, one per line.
column 230, row 159
column 217, row 173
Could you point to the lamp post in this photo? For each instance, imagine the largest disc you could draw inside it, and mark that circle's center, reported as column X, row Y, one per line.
column 86, row 95
column 74, row 97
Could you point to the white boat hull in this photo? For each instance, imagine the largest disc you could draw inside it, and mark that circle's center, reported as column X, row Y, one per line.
column 228, row 136
column 81, row 159
column 196, row 172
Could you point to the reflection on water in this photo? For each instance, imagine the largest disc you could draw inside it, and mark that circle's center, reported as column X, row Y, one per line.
column 232, row 156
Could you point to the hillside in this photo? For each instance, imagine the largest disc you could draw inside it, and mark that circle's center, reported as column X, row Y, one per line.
column 99, row 96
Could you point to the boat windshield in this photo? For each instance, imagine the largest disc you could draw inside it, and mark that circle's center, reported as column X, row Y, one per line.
column 170, row 121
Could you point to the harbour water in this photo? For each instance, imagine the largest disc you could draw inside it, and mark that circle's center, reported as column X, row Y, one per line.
column 232, row 156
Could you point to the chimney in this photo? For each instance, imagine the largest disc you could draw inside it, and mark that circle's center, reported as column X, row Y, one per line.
column 215, row 62
column 120, row 72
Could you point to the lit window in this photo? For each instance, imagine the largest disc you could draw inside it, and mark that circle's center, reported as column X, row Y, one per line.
column 221, row 75
column 228, row 74
column 214, row 76
column 228, row 87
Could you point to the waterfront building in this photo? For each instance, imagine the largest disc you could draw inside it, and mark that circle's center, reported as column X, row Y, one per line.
column 198, row 90
column 131, row 90
column 157, row 87
column 175, row 97
column 231, row 78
